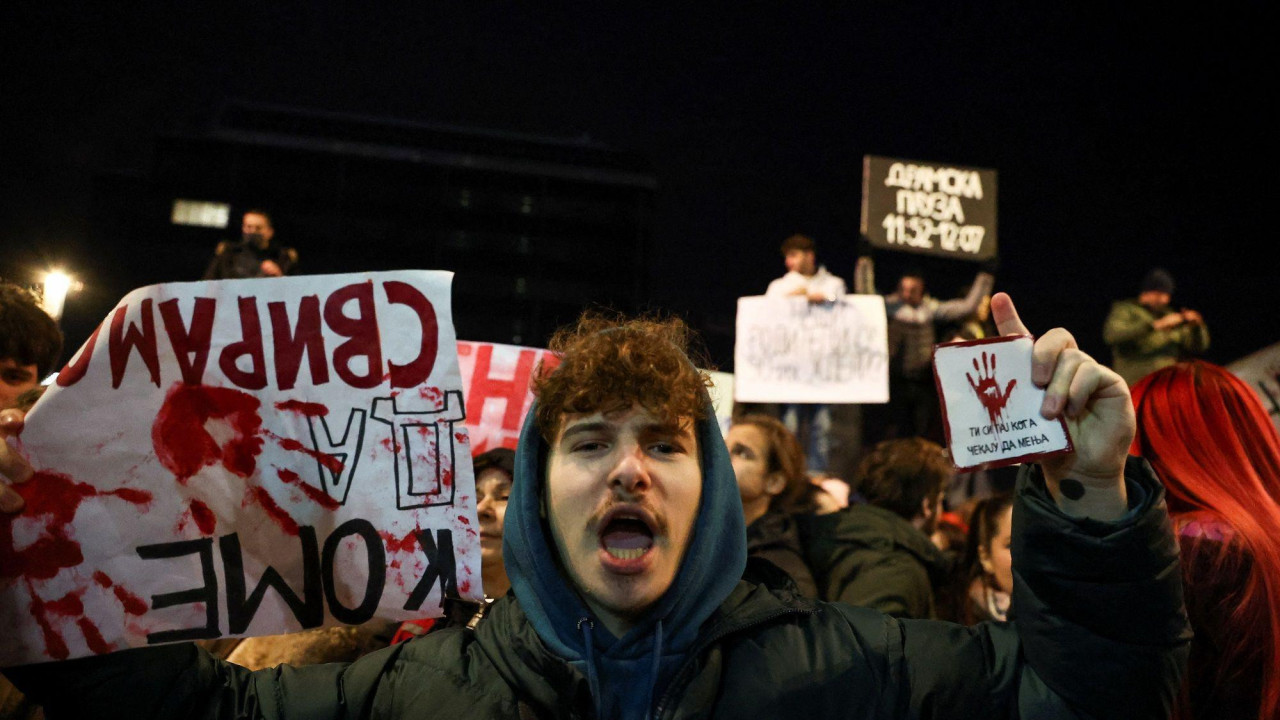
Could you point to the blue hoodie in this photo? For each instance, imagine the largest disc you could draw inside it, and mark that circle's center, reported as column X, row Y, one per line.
column 627, row 674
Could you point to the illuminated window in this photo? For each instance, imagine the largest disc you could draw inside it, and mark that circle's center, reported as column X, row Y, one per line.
column 200, row 213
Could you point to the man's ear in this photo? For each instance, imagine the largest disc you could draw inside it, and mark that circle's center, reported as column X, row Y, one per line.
column 927, row 509
column 775, row 483
column 984, row 557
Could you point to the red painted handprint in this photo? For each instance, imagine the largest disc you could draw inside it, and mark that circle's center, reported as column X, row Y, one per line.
column 987, row 388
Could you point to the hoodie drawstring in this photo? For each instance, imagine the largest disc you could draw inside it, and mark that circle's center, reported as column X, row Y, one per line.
column 593, row 682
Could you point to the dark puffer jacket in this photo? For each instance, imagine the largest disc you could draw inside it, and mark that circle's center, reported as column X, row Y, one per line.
column 871, row 557
column 1099, row 632
column 774, row 537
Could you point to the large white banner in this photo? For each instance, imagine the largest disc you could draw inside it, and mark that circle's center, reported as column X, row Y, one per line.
column 1262, row 371
column 244, row 457
column 790, row 350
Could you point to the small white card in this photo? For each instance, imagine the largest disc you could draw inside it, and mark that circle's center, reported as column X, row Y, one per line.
column 990, row 407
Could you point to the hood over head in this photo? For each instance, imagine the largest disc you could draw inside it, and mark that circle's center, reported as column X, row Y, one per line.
column 621, row 669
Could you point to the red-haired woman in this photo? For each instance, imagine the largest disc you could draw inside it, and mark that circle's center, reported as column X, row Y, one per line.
column 1210, row 441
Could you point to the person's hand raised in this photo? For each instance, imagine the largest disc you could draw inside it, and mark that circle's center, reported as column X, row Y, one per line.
column 1095, row 403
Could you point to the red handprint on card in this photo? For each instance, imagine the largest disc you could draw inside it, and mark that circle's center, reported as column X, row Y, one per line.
column 987, row 388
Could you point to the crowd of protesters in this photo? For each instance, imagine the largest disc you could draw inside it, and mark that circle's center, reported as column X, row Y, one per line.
column 1072, row 607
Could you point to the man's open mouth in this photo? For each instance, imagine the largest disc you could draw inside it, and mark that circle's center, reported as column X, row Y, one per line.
column 626, row 535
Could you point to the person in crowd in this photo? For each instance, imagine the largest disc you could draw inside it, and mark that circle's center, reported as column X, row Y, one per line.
column 982, row 587
column 1146, row 333
column 625, row 546
column 1214, row 446
column 974, row 327
column 255, row 255
column 494, row 469
column 30, row 343
column 769, row 466
column 879, row 554
column 914, row 316
column 811, row 422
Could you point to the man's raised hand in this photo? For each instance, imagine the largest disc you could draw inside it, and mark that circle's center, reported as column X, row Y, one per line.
column 1094, row 401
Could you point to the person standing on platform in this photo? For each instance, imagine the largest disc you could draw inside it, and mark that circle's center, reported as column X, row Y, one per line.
column 913, row 316
column 255, row 255
column 811, row 422
column 1147, row 334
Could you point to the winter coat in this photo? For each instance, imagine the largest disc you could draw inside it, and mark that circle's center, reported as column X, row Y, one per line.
column 1098, row 631
column 1138, row 349
column 774, row 537
column 871, row 557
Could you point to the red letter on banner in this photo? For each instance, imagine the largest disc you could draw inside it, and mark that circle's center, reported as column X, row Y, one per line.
column 362, row 331
column 188, row 341
column 251, row 346
column 74, row 370
column 306, row 338
column 514, row 390
column 416, row 371
column 121, row 343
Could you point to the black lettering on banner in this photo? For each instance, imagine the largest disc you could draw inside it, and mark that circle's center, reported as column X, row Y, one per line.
column 441, row 566
column 418, row 486
column 377, row 571
column 207, row 593
column 309, row 609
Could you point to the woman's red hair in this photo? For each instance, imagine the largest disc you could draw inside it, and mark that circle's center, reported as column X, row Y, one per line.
column 1213, row 445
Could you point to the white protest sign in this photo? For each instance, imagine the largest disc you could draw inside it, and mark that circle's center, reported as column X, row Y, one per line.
column 496, row 379
column 1262, row 371
column 790, row 350
column 990, row 407
column 244, row 457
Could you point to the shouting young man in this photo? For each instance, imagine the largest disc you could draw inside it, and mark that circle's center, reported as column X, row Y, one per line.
column 625, row 547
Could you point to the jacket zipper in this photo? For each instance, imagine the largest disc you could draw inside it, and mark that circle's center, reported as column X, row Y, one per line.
column 716, row 637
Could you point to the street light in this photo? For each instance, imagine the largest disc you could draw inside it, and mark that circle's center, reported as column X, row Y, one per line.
column 56, row 286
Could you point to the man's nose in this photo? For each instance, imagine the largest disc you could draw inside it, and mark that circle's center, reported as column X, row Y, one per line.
column 631, row 473
column 484, row 506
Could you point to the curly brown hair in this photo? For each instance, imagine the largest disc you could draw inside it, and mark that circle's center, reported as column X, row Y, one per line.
column 785, row 456
column 899, row 474
column 611, row 362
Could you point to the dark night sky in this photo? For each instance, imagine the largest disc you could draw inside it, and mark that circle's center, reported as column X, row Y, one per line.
column 1123, row 138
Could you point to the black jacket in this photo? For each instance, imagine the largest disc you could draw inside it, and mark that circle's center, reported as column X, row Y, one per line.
column 1099, row 631
column 871, row 557
column 774, row 537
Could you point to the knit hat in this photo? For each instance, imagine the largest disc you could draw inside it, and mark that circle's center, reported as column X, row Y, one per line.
column 1158, row 280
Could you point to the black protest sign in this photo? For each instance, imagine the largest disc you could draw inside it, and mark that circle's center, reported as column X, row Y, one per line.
column 929, row 208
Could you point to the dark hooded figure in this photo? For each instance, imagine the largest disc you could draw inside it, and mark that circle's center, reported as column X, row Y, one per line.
column 632, row 597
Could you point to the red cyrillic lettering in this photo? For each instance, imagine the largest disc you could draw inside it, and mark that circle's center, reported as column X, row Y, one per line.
column 251, row 346
column 514, row 390
column 306, row 337
column 416, row 371
column 121, row 342
column 188, row 341
column 74, row 370
column 362, row 331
